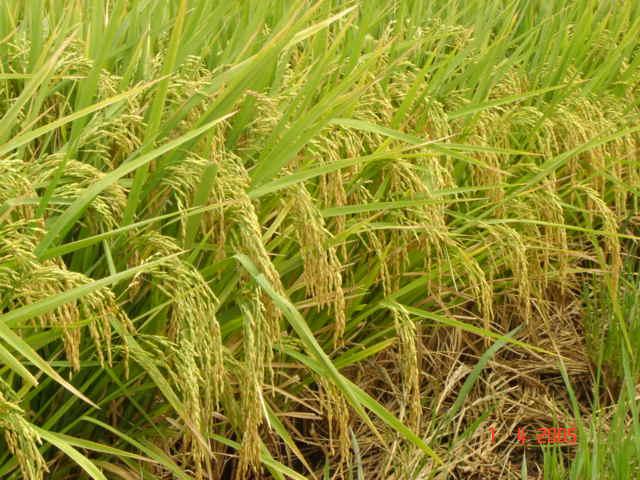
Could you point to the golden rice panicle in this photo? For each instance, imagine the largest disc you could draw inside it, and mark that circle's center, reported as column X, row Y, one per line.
column 546, row 252
column 104, row 212
column 331, row 188
column 21, row 438
column 192, row 325
column 268, row 112
column 113, row 136
column 192, row 313
column 180, row 183
column 612, row 247
column 621, row 169
column 17, row 241
column 409, row 361
column 50, row 278
column 491, row 174
column 428, row 116
column 548, row 206
column 494, row 128
column 426, row 226
column 338, row 418
column 99, row 307
column 240, row 218
column 475, row 278
column 606, row 167
column 191, row 76
column 257, row 354
column 16, row 186
column 31, row 280
column 322, row 270
column 513, row 252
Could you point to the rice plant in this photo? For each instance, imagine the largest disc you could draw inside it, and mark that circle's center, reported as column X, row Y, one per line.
column 319, row 239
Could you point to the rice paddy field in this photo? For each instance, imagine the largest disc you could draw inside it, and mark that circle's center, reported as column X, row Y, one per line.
column 323, row 239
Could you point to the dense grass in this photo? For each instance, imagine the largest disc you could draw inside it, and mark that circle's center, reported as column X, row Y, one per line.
column 318, row 239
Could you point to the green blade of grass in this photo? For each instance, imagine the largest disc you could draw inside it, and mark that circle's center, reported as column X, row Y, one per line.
column 153, row 453
column 64, row 446
column 7, row 359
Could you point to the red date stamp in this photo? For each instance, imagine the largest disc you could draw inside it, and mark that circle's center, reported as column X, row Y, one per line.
column 541, row 436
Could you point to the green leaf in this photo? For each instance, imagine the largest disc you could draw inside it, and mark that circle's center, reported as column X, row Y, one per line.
column 14, row 364
column 63, row 445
